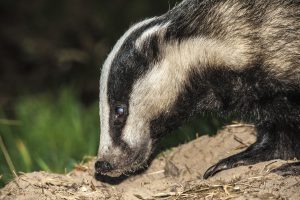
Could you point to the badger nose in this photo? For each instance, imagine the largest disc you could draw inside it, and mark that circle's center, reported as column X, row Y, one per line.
column 102, row 167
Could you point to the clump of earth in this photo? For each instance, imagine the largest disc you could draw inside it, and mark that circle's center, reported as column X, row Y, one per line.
column 174, row 174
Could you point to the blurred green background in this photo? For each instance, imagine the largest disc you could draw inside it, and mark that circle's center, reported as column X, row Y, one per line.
column 51, row 55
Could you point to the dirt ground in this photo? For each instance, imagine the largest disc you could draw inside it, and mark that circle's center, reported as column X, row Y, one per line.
column 176, row 174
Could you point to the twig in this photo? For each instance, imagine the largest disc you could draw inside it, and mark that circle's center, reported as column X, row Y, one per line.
column 163, row 195
column 93, row 187
column 267, row 165
column 236, row 138
column 188, row 169
column 225, row 190
column 157, row 172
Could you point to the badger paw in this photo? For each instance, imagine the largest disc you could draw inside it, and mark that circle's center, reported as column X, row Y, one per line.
column 254, row 154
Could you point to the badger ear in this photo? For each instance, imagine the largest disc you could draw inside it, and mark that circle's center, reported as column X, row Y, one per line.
column 150, row 47
column 151, row 40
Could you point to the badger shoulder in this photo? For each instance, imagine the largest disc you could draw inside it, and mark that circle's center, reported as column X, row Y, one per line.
column 239, row 34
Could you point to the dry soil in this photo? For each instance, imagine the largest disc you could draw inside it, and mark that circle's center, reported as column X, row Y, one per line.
column 175, row 174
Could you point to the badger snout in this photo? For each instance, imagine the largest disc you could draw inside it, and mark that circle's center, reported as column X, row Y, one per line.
column 102, row 167
column 113, row 161
column 106, row 169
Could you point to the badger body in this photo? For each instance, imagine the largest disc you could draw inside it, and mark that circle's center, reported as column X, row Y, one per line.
column 230, row 57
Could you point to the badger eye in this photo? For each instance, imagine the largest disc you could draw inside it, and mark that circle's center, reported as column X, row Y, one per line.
column 119, row 111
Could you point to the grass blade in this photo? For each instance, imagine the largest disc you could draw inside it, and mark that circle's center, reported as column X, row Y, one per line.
column 7, row 157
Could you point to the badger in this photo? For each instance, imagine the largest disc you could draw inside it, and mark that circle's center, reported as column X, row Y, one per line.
column 238, row 58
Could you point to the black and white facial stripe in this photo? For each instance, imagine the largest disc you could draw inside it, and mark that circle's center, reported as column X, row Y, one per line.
column 120, row 72
column 105, row 139
column 201, row 56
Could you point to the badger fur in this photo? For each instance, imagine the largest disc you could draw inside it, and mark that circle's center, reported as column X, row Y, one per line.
column 237, row 58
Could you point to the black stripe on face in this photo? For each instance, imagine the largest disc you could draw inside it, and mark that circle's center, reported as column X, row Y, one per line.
column 127, row 67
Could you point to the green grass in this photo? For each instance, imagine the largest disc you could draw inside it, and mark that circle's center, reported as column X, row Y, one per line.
column 50, row 133
column 53, row 132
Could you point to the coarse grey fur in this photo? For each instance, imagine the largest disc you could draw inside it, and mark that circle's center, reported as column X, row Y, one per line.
column 231, row 57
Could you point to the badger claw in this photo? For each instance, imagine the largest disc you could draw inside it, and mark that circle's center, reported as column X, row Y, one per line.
column 227, row 163
column 214, row 169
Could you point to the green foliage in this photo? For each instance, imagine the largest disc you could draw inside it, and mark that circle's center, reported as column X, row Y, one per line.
column 52, row 134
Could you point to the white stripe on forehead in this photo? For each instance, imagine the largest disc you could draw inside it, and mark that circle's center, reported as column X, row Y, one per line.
column 105, row 139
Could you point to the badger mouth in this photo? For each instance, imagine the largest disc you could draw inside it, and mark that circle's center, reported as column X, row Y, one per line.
column 114, row 173
column 116, row 176
column 128, row 165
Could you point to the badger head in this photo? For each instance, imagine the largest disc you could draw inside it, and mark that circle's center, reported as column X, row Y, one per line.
column 145, row 91
column 134, row 100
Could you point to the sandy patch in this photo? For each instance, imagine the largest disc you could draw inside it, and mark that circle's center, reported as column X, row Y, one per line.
column 177, row 174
